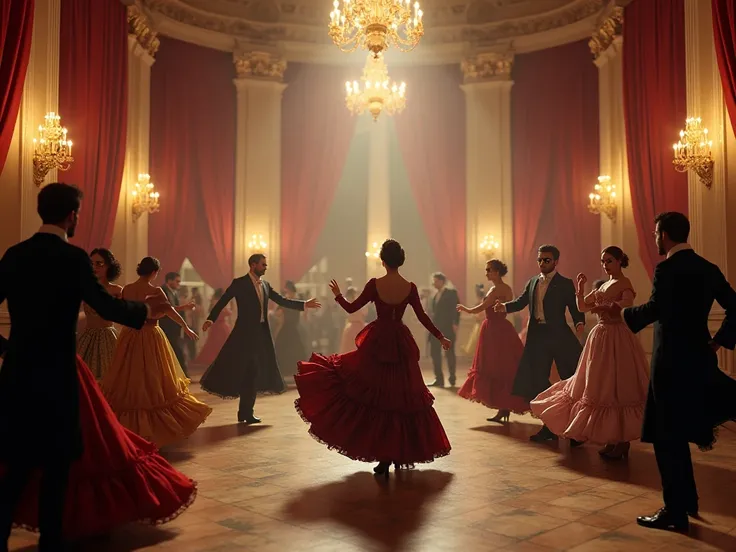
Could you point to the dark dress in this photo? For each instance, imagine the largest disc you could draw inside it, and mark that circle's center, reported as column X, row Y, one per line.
column 247, row 364
column 39, row 386
column 289, row 343
column 371, row 404
column 688, row 394
column 551, row 341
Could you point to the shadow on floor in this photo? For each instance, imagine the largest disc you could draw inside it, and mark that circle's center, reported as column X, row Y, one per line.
column 385, row 511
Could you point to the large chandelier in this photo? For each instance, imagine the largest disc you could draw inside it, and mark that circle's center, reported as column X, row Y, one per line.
column 52, row 150
column 375, row 24
column 378, row 94
column 693, row 151
column 145, row 197
column 603, row 199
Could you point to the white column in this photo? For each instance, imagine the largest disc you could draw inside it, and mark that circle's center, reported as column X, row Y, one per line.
column 709, row 208
column 258, row 159
column 18, row 218
column 489, row 189
column 379, row 191
column 130, row 238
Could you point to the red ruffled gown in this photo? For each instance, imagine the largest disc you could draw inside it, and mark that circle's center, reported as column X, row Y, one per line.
column 371, row 404
column 120, row 477
column 496, row 360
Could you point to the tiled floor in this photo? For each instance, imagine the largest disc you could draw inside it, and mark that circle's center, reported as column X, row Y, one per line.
column 273, row 488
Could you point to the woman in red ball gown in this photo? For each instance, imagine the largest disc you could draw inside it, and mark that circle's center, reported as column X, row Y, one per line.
column 499, row 351
column 120, row 477
column 371, row 404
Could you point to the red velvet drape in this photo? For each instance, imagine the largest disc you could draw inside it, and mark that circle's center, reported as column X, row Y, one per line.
column 724, row 31
column 16, row 29
column 431, row 133
column 655, row 109
column 193, row 128
column 93, row 103
column 555, row 159
column 316, row 131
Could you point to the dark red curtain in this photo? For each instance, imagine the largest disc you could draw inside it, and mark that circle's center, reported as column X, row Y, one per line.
column 724, row 33
column 93, row 104
column 555, row 159
column 431, row 133
column 16, row 30
column 655, row 109
column 193, row 131
column 316, row 131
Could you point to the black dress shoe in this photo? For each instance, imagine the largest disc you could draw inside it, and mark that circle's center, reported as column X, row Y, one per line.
column 452, row 381
column 436, row 383
column 544, row 435
column 666, row 520
column 249, row 419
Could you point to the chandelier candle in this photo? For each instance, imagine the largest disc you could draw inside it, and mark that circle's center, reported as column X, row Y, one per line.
column 378, row 94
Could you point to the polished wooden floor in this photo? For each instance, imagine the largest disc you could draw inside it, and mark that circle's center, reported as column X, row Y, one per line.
column 272, row 487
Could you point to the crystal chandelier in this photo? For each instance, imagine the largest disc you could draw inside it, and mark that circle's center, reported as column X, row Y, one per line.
column 693, row 151
column 489, row 246
column 52, row 150
column 603, row 198
column 379, row 94
column 375, row 252
column 375, row 24
column 145, row 197
column 257, row 243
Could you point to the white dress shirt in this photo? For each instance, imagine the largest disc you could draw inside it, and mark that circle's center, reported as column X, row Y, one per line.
column 258, row 284
column 540, row 292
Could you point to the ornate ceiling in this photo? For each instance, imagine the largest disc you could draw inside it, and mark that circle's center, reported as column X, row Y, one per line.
column 297, row 29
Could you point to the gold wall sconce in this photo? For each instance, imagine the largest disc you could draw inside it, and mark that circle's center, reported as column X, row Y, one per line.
column 257, row 243
column 145, row 197
column 693, row 151
column 52, row 149
column 603, row 199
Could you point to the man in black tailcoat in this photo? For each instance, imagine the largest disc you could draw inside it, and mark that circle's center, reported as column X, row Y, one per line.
column 688, row 394
column 44, row 280
column 548, row 295
column 446, row 317
column 246, row 364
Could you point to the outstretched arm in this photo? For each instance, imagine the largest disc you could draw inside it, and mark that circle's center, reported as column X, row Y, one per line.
column 638, row 318
column 416, row 304
column 488, row 300
column 521, row 302
column 222, row 302
column 361, row 301
column 282, row 301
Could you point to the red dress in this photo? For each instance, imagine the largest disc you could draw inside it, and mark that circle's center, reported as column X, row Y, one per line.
column 496, row 360
column 120, row 477
column 371, row 404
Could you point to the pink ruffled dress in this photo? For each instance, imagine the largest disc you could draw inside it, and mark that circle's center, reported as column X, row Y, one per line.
column 603, row 402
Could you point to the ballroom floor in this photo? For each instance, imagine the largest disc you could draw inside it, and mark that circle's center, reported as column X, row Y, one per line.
column 273, row 488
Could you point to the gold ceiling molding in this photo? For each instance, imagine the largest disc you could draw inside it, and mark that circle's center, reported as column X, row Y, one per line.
column 259, row 65
column 301, row 21
column 139, row 25
column 607, row 32
column 487, row 66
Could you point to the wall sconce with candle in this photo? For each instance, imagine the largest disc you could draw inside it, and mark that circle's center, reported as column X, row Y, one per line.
column 51, row 150
column 489, row 246
column 145, row 197
column 375, row 252
column 257, row 244
column 693, row 151
column 603, row 198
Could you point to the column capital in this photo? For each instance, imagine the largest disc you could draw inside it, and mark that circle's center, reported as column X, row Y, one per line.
column 259, row 65
column 607, row 35
column 141, row 30
column 487, row 67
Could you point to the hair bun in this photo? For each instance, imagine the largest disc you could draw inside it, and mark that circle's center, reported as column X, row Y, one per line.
column 624, row 261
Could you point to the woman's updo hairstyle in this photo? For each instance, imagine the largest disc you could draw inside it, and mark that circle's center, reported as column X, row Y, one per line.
column 148, row 266
column 113, row 265
column 618, row 254
column 392, row 254
column 499, row 266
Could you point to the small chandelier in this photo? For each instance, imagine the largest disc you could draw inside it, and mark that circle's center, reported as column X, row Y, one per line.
column 375, row 24
column 379, row 94
column 603, row 198
column 145, row 197
column 375, row 251
column 257, row 243
column 693, row 151
column 52, row 150
column 489, row 246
